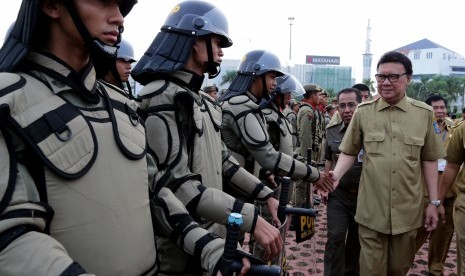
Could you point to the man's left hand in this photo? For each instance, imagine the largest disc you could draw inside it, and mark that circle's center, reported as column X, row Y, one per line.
column 431, row 218
column 272, row 204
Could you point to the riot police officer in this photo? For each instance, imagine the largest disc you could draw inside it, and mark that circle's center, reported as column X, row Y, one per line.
column 244, row 128
column 183, row 131
column 279, row 127
column 119, row 74
column 290, row 112
column 74, row 170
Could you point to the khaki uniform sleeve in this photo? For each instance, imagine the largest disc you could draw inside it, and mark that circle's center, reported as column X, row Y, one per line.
column 433, row 148
column 304, row 125
column 456, row 146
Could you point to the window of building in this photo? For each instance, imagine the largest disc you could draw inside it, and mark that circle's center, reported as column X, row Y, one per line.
column 458, row 69
column 444, row 56
column 416, row 55
column 429, row 55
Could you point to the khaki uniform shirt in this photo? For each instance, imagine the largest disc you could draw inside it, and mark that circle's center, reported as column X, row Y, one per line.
column 456, row 154
column 396, row 139
column 336, row 119
column 310, row 126
column 445, row 137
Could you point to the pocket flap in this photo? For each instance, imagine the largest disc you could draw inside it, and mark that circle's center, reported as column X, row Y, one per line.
column 374, row 137
column 414, row 141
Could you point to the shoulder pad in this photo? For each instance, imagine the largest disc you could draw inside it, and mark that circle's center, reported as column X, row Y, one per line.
column 154, row 87
column 368, row 102
column 333, row 124
column 241, row 99
column 267, row 111
column 420, row 104
column 10, row 82
column 207, row 97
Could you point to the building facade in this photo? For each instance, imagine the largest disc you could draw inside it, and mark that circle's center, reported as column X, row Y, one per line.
column 429, row 58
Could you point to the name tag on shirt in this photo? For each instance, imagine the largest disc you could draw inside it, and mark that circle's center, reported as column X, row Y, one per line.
column 360, row 156
column 442, row 165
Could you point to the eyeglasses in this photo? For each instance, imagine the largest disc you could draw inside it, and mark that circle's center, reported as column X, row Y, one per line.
column 391, row 77
column 343, row 106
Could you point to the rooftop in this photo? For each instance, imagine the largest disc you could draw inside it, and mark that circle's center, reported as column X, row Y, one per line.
column 420, row 45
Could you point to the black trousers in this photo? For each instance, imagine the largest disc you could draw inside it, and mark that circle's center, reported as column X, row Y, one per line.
column 342, row 246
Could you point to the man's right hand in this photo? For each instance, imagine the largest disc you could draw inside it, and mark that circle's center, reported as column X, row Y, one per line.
column 323, row 184
column 332, row 180
column 268, row 237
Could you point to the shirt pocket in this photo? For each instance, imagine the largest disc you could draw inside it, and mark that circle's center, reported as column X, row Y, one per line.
column 412, row 147
column 372, row 143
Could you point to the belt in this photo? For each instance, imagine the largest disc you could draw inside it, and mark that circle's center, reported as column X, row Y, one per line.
column 350, row 190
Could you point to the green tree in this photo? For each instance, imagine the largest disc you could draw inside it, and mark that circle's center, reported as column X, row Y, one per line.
column 419, row 90
column 449, row 87
column 228, row 77
column 370, row 83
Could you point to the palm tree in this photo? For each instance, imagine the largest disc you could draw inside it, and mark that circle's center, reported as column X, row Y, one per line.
column 450, row 87
column 370, row 83
column 228, row 77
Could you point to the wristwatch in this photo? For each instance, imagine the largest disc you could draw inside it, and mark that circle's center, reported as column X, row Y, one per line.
column 436, row 203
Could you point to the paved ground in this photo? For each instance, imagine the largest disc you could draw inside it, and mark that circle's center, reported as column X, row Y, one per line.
column 303, row 260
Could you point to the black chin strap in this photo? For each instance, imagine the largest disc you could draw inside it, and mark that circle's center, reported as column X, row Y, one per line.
column 265, row 94
column 131, row 95
column 213, row 68
column 102, row 54
column 267, row 100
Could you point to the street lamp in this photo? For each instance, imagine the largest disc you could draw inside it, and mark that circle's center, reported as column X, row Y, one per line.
column 291, row 19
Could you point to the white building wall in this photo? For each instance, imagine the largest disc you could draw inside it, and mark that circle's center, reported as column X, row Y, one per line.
column 435, row 61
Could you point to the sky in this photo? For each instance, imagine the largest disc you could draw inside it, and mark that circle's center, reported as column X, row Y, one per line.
column 326, row 28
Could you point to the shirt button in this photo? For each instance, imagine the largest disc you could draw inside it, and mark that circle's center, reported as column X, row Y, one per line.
column 393, row 171
column 394, row 154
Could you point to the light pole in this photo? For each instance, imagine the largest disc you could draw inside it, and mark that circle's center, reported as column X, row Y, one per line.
column 291, row 19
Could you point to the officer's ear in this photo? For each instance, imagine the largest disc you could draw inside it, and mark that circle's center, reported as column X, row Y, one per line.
column 53, row 8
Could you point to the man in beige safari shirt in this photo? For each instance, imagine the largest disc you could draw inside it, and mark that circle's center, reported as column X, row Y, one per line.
column 400, row 144
column 454, row 175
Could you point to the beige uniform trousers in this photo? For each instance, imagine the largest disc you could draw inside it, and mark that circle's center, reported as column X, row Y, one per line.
column 459, row 224
column 385, row 254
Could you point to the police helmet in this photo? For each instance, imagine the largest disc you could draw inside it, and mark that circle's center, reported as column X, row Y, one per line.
column 198, row 18
column 125, row 51
column 29, row 30
column 290, row 84
column 172, row 46
column 259, row 62
column 254, row 63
